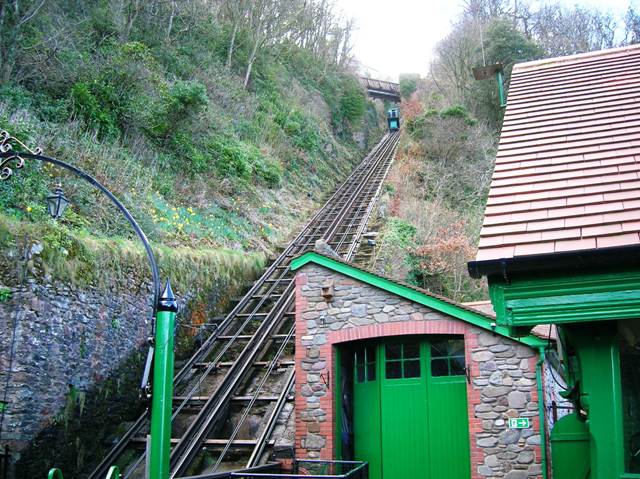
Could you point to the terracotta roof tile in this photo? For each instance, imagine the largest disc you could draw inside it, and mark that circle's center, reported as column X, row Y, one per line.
column 537, row 248
column 567, row 173
column 617, row 240
column 572, row 245
column 631, row 226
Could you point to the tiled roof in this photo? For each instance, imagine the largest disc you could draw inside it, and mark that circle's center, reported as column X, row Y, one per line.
column 567, row 172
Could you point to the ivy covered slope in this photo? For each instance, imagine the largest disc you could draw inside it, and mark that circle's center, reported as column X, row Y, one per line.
column 205, row 152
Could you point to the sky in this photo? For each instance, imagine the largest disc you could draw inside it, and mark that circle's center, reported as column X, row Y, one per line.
column 398, row 36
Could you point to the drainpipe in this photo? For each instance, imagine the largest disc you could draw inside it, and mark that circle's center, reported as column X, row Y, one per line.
column 543, row 422
column 500, row 80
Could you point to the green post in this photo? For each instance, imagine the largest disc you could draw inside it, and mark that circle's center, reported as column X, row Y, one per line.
column 500, row 80
column 541, row 413
column 162, row 393
column 55, row 473
column 599, row 380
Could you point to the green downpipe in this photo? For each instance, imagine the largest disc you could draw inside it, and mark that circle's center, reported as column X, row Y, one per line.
column 162, row 399
column 500, row 80
column 541, row 413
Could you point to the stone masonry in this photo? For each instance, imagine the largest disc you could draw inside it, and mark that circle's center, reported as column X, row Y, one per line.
column 63, row 347
column 503, row 371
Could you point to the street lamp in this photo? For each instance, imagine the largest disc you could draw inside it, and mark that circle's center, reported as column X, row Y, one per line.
column 164, row 304
column 57, row 203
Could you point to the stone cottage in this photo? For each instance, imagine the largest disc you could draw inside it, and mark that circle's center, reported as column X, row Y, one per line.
column 415, row 384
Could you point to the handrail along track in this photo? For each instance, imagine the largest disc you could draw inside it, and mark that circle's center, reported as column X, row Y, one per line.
column 260, row 326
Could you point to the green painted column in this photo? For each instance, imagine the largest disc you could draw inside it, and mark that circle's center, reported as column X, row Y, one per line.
column 596, row 347
column 162, row 393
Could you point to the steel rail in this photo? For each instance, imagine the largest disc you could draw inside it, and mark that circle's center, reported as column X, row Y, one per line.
column 188, row 446
column 271, row 422
column 256, row 394
column 345, row 191
column 208, row 345
column 326, row 220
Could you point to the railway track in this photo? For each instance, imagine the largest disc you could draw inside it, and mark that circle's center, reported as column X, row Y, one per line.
column 245, row 369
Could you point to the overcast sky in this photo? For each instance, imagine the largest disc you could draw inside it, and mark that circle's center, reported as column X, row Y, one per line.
column 397, row 36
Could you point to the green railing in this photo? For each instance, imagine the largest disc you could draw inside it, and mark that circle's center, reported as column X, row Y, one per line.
column 114, row 473
column 317, row 469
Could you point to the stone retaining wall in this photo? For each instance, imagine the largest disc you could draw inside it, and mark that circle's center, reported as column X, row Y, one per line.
column 71, row 361
column 503, row 371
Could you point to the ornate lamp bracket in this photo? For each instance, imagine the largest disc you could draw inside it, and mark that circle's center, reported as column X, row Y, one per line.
column 12, row 161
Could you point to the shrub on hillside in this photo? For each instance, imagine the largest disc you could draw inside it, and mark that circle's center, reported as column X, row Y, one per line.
column 352, row 101
column 95, row 104
column 179, row 103
column 440, row 264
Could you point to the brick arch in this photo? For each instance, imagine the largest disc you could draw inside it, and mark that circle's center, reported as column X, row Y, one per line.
column 442, row 326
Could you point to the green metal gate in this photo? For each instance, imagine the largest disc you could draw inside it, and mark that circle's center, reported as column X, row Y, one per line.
column 410, row 408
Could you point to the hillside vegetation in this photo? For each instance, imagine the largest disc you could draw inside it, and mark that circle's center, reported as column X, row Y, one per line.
column 437, row 189
column 218, row 123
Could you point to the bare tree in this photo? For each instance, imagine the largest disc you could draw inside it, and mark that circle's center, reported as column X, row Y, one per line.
column 268, row 21
column 632, row 26
column 14, row 16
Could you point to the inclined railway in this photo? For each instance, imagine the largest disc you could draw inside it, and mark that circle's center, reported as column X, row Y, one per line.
column 245, row 369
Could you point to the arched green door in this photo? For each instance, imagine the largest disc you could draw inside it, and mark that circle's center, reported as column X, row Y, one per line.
column 410, row 408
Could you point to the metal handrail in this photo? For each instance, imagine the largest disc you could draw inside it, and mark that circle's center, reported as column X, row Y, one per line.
column 359, row 471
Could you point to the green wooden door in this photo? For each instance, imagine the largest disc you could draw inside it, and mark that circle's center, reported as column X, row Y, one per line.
column 403, row 399
column 410, row 409
column 447, row 410
column 366, row 409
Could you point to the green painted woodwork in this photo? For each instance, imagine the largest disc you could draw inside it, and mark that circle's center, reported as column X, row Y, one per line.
column 541, row 412
column 570, row 448
column 366, row 418
column 629, row 351
column 403, row 400
column 409, row 422
column 162, row 396
column 566, row 299
column 337, row 403
column 600, row 394
column 421, row 297
column 448, row 428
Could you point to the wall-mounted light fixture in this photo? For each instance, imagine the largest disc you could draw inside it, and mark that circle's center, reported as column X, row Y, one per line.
column 327, row 290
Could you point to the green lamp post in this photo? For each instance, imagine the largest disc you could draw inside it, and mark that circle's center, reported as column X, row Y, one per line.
column 164, row 306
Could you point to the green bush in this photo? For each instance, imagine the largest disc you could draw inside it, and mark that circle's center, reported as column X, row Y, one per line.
column 178, row 104
column 91, row 102
column 303, row 133
column 269, row 171
column 408, row 85
column 231, row 159
column 352, row 101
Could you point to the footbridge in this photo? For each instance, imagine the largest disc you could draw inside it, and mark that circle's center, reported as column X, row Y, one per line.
column 385, row 90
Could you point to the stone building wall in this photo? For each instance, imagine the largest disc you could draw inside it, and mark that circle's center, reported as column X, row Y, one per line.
column 503, row 371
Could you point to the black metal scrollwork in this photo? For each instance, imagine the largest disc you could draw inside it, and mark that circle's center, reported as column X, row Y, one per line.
column 11, row 162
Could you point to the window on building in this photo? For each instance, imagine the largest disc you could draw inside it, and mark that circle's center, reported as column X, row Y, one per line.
column 365, row 364
column 447, row 357
column 630, row 381
column 402, row 360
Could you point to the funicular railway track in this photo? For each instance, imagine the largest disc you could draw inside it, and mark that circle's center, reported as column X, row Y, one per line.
column 245, row 369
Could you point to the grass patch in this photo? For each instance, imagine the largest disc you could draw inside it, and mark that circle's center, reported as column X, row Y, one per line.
column 61, row 253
